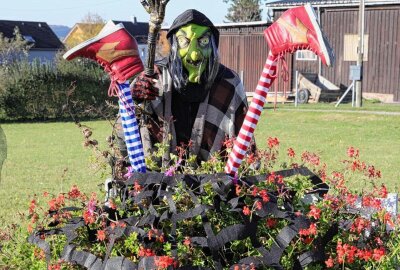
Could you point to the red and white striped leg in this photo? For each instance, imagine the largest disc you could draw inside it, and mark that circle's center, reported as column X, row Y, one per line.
column 242, row 141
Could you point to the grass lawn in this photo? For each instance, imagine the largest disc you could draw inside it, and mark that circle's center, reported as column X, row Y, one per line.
column 50, row 156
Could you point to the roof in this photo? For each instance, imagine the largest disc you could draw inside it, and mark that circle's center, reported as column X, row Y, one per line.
column 139, row 30
column 234, row 24
column 39, row 32
column 85, row 28
column 337, row 3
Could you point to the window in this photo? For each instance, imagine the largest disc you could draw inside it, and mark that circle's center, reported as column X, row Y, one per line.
column 30, row 39
column 305, row 55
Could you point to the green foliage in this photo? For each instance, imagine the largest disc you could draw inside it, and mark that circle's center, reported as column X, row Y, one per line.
column 244, row 10
column 41, row 91
column 13, row 49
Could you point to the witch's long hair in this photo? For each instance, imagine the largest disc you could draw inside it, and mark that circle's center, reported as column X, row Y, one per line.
column 180, row 76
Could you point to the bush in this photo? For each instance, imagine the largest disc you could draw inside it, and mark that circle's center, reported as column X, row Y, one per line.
column 35, row 91
column 173, row 219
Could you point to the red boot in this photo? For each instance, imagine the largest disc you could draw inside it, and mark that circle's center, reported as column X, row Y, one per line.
column 113, row 48
column 298, row 29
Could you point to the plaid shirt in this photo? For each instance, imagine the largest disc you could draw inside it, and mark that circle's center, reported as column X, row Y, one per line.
column 219, row 116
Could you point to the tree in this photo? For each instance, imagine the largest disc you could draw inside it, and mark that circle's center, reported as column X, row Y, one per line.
column 244, row 10
column 89, row 26
column 13, row 49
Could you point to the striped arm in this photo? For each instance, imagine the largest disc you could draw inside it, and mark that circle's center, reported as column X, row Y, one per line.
column 242, row 141
column 131, row 128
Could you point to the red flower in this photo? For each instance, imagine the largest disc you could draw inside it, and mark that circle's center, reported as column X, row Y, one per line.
column 238, row 189
column 162, row 262
column 32, row 207
column 56, row 266
column 271, row 223
column 137, row 187
column 368, row 201
column 264, row 195
column 258, row 205
column 254, row 191
column 364, row 254
column 250, row 159
column 373, row 173
column 74, row 193
column 112, row 204
column 351, row 199
column 346, row 253
column 307, row 240
column 145, row 252
column 30, row 228
column 101, row 235
column 378, row 253
column 228, row 142
column 352, row 152
column 291, row 153
column 383, row 191
column 187, row 241
column 388, row 220
column 315, row 212
column 329, row 262
column 312, row 230
column 246, row 211
column 310, row 158
column 272, row 142
column 360, row 224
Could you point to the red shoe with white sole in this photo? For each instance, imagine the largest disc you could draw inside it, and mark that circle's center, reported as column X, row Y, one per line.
column 298, row 29
column 114, row 49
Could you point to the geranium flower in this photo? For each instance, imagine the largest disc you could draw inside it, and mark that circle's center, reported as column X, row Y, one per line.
column 329, row 262
column 246, row 211
column 271, row 223
column 32, row 206
column 101, row 235
column 272, row 142
column 162, row 262
column 145, row 252
column 360, row 224
column 74, row 192
column 291, row 153
column 352, row 152
column 315, row 212
column 378, row 253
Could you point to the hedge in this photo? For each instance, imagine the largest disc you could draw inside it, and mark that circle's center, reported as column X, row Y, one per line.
column 36, row 91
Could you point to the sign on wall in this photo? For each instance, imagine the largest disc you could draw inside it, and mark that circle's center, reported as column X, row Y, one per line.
column 351, row 46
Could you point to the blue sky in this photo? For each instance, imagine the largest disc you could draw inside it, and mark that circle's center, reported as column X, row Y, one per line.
column 68, row 12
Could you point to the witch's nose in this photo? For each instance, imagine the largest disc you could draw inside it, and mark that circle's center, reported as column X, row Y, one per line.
column 195, row 56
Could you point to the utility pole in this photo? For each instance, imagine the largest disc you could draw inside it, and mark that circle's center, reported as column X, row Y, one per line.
column 360, row 49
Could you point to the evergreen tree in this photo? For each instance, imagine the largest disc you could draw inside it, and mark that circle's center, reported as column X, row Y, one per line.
column 244, row 10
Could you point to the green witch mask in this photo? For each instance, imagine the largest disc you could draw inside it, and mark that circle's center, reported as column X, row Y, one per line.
column 194, row 49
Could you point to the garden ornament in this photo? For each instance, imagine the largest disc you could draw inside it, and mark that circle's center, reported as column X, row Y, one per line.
column 194, row 49
column 296, row 29
column 143, row 87
column 117, row 51
column 156, row 9
column 203, row 102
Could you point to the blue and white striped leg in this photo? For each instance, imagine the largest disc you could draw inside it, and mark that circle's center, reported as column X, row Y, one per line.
column 131, row 128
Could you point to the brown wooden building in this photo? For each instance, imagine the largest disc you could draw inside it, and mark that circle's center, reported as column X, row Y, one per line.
column 244, row 49
column 339, row 19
